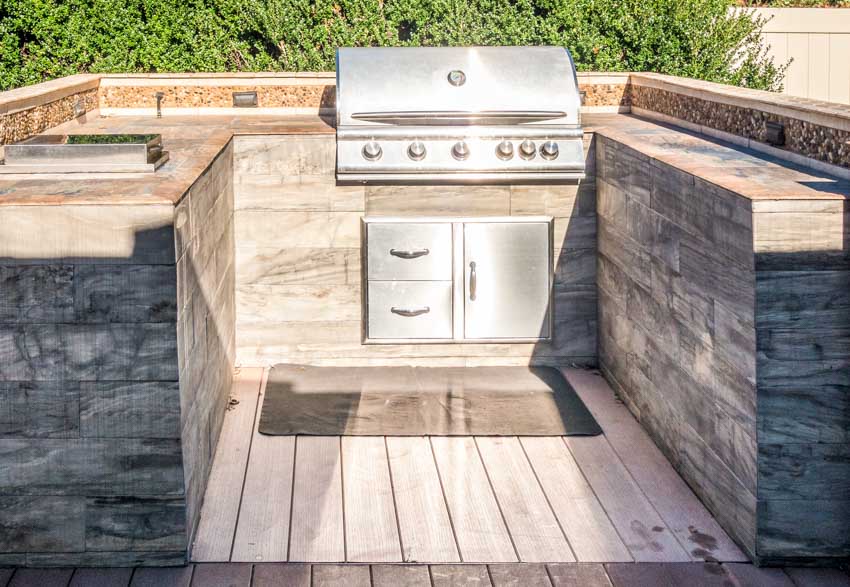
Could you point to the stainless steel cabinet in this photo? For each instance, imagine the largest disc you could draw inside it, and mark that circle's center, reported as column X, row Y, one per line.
column 457, row 279
column 506, row 268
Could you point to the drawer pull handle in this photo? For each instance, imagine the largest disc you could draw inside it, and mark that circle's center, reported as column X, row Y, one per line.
column 473, row 282
column 410, row 312
column 409, row 254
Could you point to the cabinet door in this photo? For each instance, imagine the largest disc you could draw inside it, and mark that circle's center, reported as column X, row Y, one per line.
column 507, row 280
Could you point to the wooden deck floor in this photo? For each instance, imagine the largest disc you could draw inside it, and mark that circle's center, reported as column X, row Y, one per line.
column 611, row 498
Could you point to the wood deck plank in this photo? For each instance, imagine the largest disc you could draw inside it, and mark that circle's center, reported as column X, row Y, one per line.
column 337, row 575
column 589, row 531
column 371, row 530
column 281, row 575
column 479, row 528
column 41, row 578
column 90, row 577
column 222, row 575
column 163, row 576
column 214, row 537
column 458, row 575
column 643, row 531
column 262, row 531
column 317, row 533
column 400, row 576
column 578, row 575
column 535, row 530
column 689, row 520
column 426, row 530
column 519, row 575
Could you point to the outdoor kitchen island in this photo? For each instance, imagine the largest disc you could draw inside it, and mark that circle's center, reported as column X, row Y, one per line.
column 133, row 298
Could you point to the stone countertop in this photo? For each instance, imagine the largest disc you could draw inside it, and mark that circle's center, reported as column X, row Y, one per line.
column 194, row 141
column 749, row 173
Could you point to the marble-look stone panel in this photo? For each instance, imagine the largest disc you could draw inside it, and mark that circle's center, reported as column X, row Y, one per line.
column 316, row 230
column 40, row 409
column 116, row 558
column 577, row 199
column 121, row 293
column 87, row 235
column 36, row 293
column 42, row 523
column 297, row 266
column 460, row 200
column 283, row 156
column 121, row 409
column 135, row 523
column 90, row 466
column 118, row 352
column 803, row 529
column 298, row 193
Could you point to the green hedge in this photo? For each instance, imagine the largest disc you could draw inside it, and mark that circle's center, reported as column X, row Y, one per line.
column 44, row 39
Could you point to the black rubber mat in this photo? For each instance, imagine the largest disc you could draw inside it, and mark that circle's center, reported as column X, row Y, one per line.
column 423, row 401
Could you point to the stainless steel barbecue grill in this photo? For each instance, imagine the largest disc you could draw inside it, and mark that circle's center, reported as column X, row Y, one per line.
column 458, row 115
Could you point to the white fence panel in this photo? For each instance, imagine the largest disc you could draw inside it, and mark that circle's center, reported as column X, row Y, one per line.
column 818, row 40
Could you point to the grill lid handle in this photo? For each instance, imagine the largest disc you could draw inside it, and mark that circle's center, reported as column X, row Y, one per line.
column 458, row 117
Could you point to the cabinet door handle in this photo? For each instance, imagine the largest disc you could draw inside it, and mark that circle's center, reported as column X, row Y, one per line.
column 473, row 282
column 410, row 312
column 409, row 254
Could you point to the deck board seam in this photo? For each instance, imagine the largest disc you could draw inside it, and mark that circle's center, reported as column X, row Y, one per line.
column 599, row 501
column 645, row 497
column 247, row 464
column 548, row 501
column 292, row 504
column 445, row 499
column 496, row 498
column 395, row 503
column 342, row 499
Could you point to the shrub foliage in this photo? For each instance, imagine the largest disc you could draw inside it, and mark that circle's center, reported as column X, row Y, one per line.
column 44, row 39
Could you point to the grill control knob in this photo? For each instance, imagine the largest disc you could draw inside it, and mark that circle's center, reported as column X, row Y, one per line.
column 372, row 151
column 505, row 150
column 460, row 151
column 549, row 150
column 527, row 149
column 416, row 151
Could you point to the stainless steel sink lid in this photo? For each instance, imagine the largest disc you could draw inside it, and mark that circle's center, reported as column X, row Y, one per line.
column 457, row 114
column 85, row 153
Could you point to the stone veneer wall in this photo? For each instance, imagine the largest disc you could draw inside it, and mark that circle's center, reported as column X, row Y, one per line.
column 298, row 276
column 821, row 141
column 303, row 90
column 724, row 326
column 203, row 230
column 198, row 91
column 30, row 110
column 802, row 259
column 90, row 452
column 103, row 454
column 676, row 313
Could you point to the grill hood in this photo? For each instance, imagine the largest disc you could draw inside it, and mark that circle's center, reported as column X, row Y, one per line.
column 455, row 114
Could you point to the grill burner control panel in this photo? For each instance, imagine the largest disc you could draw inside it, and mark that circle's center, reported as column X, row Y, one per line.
column 458, row 114
column 417, row 150
column 460, row 155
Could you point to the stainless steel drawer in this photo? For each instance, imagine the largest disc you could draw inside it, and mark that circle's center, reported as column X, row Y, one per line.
column 409, row 251
column 410, row 309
